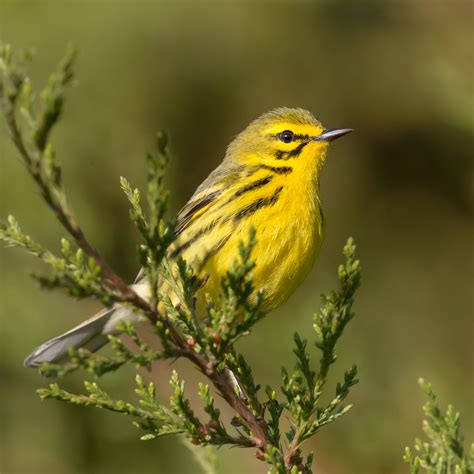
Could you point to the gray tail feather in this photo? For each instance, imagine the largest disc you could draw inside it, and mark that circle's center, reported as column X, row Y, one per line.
column 87, row 335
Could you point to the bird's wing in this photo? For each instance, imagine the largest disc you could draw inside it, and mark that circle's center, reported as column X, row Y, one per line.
column 194, row 208
column 201, row 201
column 207, row 194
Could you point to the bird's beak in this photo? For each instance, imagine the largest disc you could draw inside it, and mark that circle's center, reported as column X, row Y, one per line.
column 331, row 134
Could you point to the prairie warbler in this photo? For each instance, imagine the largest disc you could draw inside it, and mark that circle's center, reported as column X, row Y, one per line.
column 269, row 179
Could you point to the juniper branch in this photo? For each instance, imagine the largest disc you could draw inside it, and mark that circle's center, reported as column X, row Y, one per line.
column 303, row 387
column 444, row 452
column 208, row 343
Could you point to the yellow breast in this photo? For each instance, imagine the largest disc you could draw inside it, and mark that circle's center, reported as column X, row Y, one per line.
column 286, row 215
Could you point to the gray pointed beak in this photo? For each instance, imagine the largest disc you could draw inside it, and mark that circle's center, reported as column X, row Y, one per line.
column 331, row 134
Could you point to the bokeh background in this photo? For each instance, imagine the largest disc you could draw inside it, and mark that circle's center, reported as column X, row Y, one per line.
column 399, row 72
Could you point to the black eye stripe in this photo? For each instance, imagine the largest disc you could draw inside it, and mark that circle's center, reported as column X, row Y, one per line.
column 301, row 137
column 296, row 151
column 286, row 155
column 298, row 136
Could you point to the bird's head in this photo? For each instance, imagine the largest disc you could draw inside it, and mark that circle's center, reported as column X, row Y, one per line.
column 284, row 137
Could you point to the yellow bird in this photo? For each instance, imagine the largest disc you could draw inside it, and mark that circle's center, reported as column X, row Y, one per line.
column 268, row 180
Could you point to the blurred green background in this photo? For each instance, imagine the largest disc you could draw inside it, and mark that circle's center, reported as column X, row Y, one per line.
column 399, row 72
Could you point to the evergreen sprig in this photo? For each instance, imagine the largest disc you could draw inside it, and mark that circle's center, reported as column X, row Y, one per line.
column 74, row 272
column 206, row 340
column 303, row 386
column 443, row 452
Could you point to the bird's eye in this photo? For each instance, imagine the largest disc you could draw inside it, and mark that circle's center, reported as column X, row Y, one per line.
column 287, row 136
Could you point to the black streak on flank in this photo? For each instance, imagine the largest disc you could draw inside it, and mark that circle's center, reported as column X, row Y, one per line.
column 277, row 169
column 195, row 237
column 258, row 204
column 245, row 189
column 253, row 185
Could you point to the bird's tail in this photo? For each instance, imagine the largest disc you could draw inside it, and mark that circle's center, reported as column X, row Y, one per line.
column 91, row 335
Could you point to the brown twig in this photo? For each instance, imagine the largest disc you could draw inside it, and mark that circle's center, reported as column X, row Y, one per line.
column 293, row 457
column 221, row 383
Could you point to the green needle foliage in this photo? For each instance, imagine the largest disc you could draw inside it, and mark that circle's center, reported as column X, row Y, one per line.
column 443, row 453
column 207, row 341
